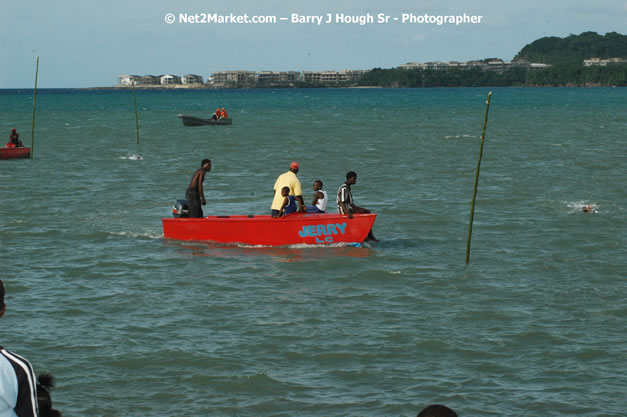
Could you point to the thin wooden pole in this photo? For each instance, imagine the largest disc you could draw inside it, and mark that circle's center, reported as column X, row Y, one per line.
column 32, row 142
column 136, row 116
column 474, row 193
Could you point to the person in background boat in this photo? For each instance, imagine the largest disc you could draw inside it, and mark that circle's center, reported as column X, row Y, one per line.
column 290, row 180
column 14, row 140
column 18, row 395
column 320, row 200
column 289, row 202
column 345, row 203
column 217, row 115
column 195, row 194
column 223, row 114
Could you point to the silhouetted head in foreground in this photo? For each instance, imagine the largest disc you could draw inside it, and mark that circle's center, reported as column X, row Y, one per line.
column 45, row 384
column 437, row 410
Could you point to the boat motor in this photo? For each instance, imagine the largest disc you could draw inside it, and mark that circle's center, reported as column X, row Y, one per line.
column 180, row 209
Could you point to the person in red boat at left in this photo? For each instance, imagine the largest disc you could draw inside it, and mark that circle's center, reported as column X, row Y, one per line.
column 195, row 194
column 14, row 140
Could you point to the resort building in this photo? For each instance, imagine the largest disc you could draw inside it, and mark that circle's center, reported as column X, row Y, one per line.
column 457, row 65
column 241, row 78
column 539, row 66
column 281, row 77
column 192, row 79
column 129, row 79
column 332, row 77
column 598, row 62
column 223, row 78
column 268, row 77
column 150, row 80
column 170, row 79
column 496, row 65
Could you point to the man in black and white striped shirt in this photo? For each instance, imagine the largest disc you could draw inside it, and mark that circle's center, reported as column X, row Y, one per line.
column 18, row 386
column 344, row 201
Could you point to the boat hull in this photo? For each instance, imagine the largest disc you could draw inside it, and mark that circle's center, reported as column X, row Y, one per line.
column 14, row 153
column 297, row 228
column 199, row 121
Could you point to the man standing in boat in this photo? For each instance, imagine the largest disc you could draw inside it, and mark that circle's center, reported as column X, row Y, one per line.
column 345, row 203
column 290, row 180
column 195, row 194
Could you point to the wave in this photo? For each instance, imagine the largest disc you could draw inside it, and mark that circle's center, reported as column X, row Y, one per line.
column 578, row 206
column 132, row 157
column 458, row 136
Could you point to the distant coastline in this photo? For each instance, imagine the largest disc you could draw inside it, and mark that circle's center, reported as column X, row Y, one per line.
column 585, row 60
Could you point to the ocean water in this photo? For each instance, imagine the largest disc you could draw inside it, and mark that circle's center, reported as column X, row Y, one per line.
column 132, row 324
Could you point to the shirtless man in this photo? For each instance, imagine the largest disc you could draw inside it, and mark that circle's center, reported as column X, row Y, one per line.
column 14, row 139
column 195, row 194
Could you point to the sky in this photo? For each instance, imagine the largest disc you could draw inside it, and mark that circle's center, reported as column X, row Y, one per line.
column 90, row 43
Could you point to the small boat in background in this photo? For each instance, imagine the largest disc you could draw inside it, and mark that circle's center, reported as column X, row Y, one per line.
column 199, row 121
column 264, row 230
column 14, row 153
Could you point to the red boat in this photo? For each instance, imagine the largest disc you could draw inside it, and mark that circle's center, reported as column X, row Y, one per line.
column 296, row 228
column 14, row 153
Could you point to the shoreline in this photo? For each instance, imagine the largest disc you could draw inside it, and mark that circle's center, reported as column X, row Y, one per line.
column 361, row 87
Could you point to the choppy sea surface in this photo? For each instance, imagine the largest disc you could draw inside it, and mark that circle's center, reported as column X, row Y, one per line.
column 132, row 324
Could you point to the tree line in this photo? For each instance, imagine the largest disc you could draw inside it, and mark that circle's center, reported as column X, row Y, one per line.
column 562, row 75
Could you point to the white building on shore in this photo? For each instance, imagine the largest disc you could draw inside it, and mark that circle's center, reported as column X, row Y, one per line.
column 170, row 79
column 129, row 79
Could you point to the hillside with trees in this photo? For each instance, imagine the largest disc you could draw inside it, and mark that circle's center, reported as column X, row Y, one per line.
column 573, row 49
column 565, row 55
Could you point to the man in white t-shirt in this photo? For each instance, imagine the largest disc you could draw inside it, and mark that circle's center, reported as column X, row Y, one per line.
column 18, row 386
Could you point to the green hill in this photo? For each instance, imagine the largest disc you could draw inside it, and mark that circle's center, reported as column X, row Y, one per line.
column 573, row 49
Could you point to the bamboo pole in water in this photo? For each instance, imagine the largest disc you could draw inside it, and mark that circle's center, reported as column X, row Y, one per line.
column 136, row 116
column 32, row 143
column 474, row 193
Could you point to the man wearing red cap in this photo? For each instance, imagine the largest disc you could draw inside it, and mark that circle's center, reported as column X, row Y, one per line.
column 290, row 180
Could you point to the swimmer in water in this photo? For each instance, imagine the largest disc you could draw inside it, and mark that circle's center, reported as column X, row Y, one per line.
column 589, row 209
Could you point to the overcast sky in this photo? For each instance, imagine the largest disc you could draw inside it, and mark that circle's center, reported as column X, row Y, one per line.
column 88, row 43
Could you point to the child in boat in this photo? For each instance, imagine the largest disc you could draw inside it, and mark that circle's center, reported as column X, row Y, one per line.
column 289, row 202
column 320, row 200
